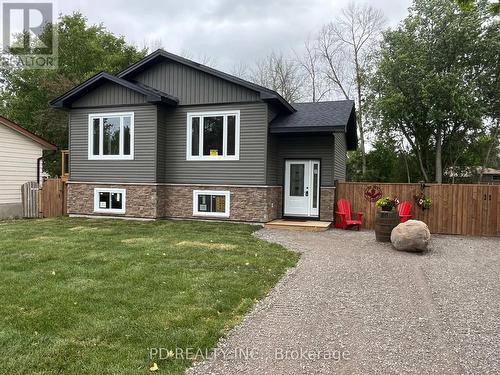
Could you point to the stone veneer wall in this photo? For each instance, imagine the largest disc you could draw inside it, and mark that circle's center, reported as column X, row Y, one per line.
column 327, row 203
column 248, row 203
column 141, row 200
column 274, row 203
column 252, row 204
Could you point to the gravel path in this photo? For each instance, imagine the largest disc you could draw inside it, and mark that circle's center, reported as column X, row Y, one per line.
column 355, row 306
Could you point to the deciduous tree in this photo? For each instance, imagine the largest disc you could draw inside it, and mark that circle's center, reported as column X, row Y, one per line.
column 432, row 81
column 347, row 46
column 83, row 51
column 279, row 73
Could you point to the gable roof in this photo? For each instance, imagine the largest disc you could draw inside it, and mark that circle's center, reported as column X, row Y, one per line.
column 320, row 117
column 160, row 54
column 152, row 95
column 491, row 171
column 46, row 145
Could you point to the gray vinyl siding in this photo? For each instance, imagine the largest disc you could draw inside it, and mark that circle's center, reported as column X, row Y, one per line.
column 340, row 157
column 273, row 170
column 191, row 86
column 251, row 167
column 300, row 147
column 161, row 142
column 271, row 152
column 110, row 94
column 141, row 169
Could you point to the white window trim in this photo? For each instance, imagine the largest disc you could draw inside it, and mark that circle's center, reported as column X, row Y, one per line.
column 236, row 155
column 91, row 155
column 110, row 210
column 225, row 193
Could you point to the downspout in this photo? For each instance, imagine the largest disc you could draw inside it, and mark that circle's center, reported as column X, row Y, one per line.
column 38, row 169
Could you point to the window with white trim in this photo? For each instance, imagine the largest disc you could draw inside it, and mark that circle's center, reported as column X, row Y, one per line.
column 109, row 200
column 213, row 136
column 111, row 136
column 211, row 203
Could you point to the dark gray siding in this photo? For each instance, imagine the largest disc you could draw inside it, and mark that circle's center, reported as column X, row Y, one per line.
column 300, row 147
column 161, row 141
column 192, row 86
column 110, row 94
column 340, row 167
column 251, row 167
column 141, row 169
column 273, row 170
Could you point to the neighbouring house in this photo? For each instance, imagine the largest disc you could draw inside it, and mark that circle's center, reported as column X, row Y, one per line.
column 20, row 161
column 490, row 176
column 473, row 174
column 168, row 137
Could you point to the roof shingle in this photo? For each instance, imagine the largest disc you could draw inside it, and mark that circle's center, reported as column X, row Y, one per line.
column 319, row 114
column 320, row 117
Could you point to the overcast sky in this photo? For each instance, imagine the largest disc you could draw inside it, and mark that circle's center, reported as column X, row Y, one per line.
column 229, row 31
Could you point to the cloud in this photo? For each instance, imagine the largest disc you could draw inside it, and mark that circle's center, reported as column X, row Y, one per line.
column 227, row 31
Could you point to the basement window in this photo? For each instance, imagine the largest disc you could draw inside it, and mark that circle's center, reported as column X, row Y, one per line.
column 109, row 200
column 213, row 136
column 211, row 203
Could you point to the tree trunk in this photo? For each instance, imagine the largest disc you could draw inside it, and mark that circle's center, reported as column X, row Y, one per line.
column 487, row 157
column 439, row 152
column 361, row 135
column 421, row 165
column 416, row 148
column 360, row 114
column 407, row 167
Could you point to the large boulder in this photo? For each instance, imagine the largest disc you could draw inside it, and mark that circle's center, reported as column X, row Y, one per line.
column 412, row 235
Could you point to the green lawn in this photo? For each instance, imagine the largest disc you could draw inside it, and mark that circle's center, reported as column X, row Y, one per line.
column 82, row 296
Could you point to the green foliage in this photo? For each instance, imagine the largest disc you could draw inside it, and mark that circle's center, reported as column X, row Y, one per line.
column 423, row 201
column 385, row 163
column 468, row 5
column 426, row 203
column 387, row 203
column 92, row 296
column 83, row 51
column 435, row 82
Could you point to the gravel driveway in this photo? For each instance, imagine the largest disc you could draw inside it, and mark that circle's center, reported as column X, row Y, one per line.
column 355, row 306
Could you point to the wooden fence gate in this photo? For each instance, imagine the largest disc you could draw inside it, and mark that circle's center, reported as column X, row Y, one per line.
column 456, row 209
column 29, row 198
column 53, row 198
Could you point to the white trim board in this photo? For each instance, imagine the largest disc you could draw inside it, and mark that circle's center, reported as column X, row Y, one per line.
column 173, row 184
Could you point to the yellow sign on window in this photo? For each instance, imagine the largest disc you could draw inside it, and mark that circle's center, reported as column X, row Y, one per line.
column 214, row 152
column 220, row 203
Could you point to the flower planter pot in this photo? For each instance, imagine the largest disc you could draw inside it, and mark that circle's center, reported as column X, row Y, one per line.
column 385, row 221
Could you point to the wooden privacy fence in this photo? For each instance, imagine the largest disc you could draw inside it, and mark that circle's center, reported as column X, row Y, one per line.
column 53, row 198
column 456, row 209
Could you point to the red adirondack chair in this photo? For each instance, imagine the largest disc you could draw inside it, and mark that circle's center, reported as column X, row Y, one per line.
column 405, row 211
column 343, row 215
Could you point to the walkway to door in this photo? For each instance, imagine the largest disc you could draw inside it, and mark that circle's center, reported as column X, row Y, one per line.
column 355, row 306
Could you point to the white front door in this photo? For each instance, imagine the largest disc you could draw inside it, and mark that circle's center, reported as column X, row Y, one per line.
column 302, row 188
